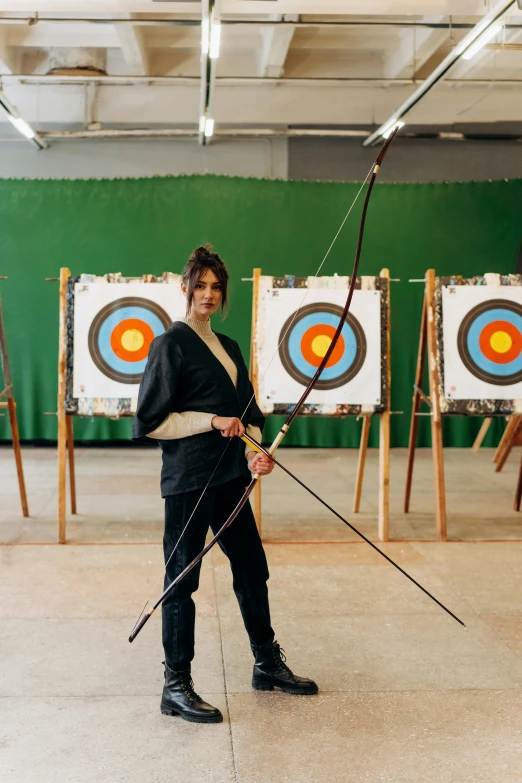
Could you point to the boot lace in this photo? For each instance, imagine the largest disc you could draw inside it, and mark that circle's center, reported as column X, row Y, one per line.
column 280, row 659
column 187, row 685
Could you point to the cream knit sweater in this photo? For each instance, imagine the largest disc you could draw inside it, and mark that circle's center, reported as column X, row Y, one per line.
column 181, row 425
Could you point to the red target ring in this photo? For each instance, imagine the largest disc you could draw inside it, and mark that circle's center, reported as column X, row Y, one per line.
column 501, row 342
column 315, row 343
column 131, row 339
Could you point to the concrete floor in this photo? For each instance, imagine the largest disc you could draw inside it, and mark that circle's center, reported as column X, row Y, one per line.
column 406, row 693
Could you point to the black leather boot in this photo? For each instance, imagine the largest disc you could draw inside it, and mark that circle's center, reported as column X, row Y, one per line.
column 271, row 671
column 179, row 698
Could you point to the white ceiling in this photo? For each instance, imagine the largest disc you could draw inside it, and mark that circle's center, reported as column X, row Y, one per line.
column 281, row 64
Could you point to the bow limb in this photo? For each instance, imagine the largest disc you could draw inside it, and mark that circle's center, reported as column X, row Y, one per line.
column 284, row 429
column 261, row 449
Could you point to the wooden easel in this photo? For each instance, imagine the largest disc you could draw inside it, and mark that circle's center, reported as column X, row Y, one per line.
column 9, row 404
column 428, row 338
column 384, row 428
column 65, row 422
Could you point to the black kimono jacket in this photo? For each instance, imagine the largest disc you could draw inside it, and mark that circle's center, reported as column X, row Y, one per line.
column 182, row 374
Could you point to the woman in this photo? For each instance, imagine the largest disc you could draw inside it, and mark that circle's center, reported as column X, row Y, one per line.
column 195, row 398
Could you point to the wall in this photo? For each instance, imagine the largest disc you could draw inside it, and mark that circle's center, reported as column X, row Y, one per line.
column 151, row 225
column 108, row 159
column 412, row 160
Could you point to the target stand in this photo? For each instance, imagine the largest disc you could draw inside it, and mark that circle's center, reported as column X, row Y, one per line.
column 7, row 402
column 472, row 330
column 291, row 332
column 107, row 324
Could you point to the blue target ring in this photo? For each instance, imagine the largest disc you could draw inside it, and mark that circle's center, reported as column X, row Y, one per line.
column 305, row 337
column 121, row 353
column 107, row 328
column 297, row 334
column 489, row 342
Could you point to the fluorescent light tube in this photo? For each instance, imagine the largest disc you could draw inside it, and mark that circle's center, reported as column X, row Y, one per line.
column 21, row 126
column 215, row 40
column 205, row 29
column 209, row 127
column 391, row 127
column 481, row 41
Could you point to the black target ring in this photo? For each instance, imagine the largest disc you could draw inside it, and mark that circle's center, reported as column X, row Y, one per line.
column 297, row 341
column 140, row 313
column 475, row 342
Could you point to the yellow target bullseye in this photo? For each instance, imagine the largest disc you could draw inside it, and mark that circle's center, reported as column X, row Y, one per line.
column 501, row 342
column 132, row 340
column 320, row 344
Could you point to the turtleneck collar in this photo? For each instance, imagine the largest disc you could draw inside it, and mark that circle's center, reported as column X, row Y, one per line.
column 203, row 328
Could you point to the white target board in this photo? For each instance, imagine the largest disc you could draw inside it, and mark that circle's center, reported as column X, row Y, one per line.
column 114, row 325
column 482, row 342
column 293, row 335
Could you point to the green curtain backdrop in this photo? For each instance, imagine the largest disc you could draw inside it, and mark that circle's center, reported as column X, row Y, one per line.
column 137, row 226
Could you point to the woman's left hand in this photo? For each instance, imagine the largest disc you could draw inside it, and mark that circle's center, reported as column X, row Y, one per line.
column 258, row 463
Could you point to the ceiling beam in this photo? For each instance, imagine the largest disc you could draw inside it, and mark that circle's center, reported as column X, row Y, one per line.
column 133, row 48
column 415, row 47
column 247, row 103
column 9, row 57
column 276, row 43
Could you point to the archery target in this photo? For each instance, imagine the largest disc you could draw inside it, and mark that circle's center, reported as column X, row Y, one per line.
column 482, row 338
column 293, row 338
column 121, row 334
column 114, row 325
column 305, row 339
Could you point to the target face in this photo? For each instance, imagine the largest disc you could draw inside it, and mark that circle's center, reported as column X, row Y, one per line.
column 490, row 342
column 482, row 342
column 293, row 336
column 114, row 325
column 306, row 337
column 121, row 334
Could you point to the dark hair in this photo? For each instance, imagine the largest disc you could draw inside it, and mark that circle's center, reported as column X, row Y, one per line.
column 201, row 259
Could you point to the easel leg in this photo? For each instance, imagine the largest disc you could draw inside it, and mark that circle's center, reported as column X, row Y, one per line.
column 518, row 493
column 62, row 424
column 62, row 477
column 384, row 475
column 436, row 417
column 508, row 441
column 363, row 448
column 506, row 436
column 7, row 389
column 18, row 454
column 70, row 451
column 384, row 432
column 414, row 423
column 481, row 435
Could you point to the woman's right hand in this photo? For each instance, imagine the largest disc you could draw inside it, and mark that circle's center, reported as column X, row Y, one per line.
column 229, row 426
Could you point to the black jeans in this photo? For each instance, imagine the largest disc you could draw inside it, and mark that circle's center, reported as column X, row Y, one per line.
column 240, row 543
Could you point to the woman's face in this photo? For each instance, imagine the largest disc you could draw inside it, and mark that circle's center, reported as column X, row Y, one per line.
column 206, row 297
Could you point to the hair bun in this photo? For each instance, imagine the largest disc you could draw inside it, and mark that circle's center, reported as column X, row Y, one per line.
column 202, row 253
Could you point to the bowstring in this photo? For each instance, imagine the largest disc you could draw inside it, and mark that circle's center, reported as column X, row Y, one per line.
column 249, row 403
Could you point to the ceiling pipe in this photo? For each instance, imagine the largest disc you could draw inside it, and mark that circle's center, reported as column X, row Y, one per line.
column 230, row 133
column 158, row 22
column 234, row 81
